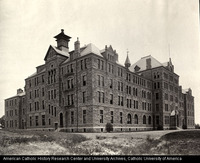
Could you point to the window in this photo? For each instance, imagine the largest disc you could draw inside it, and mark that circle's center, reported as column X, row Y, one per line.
column 111, row 98
column 43, row 120
column 122, row 101
column 49, row 121
column 98, row 63
column 51, row 94
column 99, row 80
column 111, row 113
column 51, row 110
column 144, row 119
column 54, row 93
column 103, row 97
column 157, row 120
column 99, row 96
column 166, row 107
column 157, row 107
column 111, row 83
column 42, row 78
column 121, row 118
column 119, row 100
column 85, row 62
column 72, row 117
column 136, row 119
column 55, row 111
column 171, row 98
column 102, row 65
column 68, row 99
column 136, row 104
column 84, row 80
column 118, row 86
column 42, row 91
column 121, row 86
column 83, row 97
column 149, row 120
column 43, row 104
column 72, row 99
column 84, row 116
column 30, row 106
column 70, row 83
column 81, row 64
column 157, row 96
column 101, row 116
column 71, row 66
column 30, row 121
column 166, row 96
column 30, row 83
column 36, row 120
column 102, row 80
column 129, row 119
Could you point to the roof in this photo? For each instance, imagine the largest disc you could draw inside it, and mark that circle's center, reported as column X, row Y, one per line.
column 127, row 60
column 185, row 90
column 37, row 73
column 62, row 35
column 87, row 49
column 142, row 63
column 91, row 48
column 17, row 95
column 62, row 52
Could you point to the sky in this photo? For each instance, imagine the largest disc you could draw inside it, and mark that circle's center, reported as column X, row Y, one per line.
column 161, row 28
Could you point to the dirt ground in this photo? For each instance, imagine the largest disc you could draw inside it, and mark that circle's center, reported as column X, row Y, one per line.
column 21, row 142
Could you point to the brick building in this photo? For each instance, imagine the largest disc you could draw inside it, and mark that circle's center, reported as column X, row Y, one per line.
column 83, row 89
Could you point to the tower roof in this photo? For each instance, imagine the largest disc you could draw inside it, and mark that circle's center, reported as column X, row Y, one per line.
column 127, row 60
column 62, row 35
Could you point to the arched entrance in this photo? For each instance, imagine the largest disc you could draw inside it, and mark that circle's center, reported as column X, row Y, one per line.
column 61, row 119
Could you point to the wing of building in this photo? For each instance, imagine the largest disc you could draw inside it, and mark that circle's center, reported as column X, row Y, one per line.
column 84, row 89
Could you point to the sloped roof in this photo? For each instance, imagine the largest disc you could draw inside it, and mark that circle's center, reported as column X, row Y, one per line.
column 87, row 49
column 142, row 63
column 127, row 60
column 62, row 52
column 91, row 48
column 19, row 94
column 62, row 35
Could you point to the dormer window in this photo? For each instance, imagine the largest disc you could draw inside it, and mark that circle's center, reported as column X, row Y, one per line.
column 136, row 68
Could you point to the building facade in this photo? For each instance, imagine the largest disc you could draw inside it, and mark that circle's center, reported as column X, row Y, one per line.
column 84, row 89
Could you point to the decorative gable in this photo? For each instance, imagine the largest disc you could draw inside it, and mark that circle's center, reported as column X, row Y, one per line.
column 50, row 53
column 110, row 54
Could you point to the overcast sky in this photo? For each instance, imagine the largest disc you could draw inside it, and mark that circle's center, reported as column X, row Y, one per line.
column 144, row 27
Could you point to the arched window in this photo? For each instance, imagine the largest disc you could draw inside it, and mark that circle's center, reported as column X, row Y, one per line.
column 129, row 119
column 144, row 119
column 136, row 119
column 149, row 120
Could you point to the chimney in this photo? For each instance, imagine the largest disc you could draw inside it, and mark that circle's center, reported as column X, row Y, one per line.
column 148, row 63
column 19, row 91
column 77, row 46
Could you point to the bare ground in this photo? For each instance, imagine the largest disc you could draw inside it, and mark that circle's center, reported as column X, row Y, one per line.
column 22, row 142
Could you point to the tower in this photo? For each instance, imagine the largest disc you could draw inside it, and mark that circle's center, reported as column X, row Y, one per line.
column 127, row 62
column 62, row 41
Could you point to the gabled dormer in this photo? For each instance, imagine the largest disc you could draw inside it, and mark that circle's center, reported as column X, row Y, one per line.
column 53, row 52
column 110, row 54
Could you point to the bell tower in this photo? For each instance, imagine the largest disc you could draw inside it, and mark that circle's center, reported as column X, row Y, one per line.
column 62, row 41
